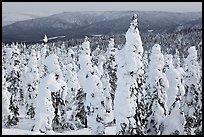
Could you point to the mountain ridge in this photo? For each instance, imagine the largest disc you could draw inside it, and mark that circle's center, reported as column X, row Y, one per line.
column 79, row 24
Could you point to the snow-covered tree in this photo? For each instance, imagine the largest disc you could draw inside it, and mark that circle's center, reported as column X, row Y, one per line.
column 31, row 82
column 5, row 99
column 95, row 55
column 98, row 67
column 129, row 101
column 48, row 98
column 156, row 97
column 177, row 64
column 106, row 92
column 44, row 54
column 176, row 59
column 61, row 59
column 92, row 87
column 111, row 67
column 145, row 61
column 8, row 61
column 104, row 77
column 71, row 79
column 174, row 77
column 74, row 100
column 193, row 98
column 13, row 81
column 174, row 122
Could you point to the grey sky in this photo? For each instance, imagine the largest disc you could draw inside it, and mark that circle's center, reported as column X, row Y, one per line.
column 57, row 7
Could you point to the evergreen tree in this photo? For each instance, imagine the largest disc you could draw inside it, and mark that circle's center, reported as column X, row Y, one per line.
column 111, row 67
column 92, row 87
column 5, row 99
column 129, row 113
column 174, row 122
column 106, row 92
column 156, row 97
column 71, row 80
column 44, row 54
column 13, row 81
column 49, row 100
column 74, row 98
column 193, row 99
column 31, row 81
column 95, row 55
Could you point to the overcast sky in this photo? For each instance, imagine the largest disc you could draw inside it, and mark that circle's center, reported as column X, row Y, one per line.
column 57, row 7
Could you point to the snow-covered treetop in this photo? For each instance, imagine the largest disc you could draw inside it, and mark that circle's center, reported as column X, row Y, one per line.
column 134, row 21
column 156, row 48
column 110, row 50
column 85, row 58
column 8, row 53
column 33, row 53
column 174, row 78
column 45, row 39
column 32, row 68
column 192, row 53
column 52, row 63
column 96, row 52
column 169, row 61
column 86, row 38
column 15, row 49
column 71, row 55
column 111, row 42
column 156, row 58
column 32, row 60
column 86, row 46
column 133, row 38
column 193, row 69
column 101, row 59
column 177, row 62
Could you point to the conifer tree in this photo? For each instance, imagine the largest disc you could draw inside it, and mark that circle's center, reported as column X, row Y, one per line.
column 31, row 81
column 174, row 122
column 13, row 81
column 92, row 86
column 111, row 67
column 156, row 97
column 193, row 99
column 129, row 113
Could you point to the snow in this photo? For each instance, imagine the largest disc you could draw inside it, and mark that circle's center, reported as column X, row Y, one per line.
column 174, row 78
column 129, row 64
column 92, row 86
column 174, row 121
column 85, row 131
column 5, row 96
column 45, row 39
column 157, row 85
column 100, row 91
column 96, row 35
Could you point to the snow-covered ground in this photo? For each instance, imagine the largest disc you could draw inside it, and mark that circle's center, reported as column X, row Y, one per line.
column 60, row 91
column 25, row 125
column 85, row 131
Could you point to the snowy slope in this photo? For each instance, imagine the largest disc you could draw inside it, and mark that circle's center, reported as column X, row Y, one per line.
column 10, row 18
column 85, row 131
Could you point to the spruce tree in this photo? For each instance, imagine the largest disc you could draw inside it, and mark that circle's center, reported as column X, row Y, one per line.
column 156, row 87
column 13, row 80
column 92, row 86
column 31, row 81
column 174, row 121
column 111, row 67
column 193, row 99
column 129, row 96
